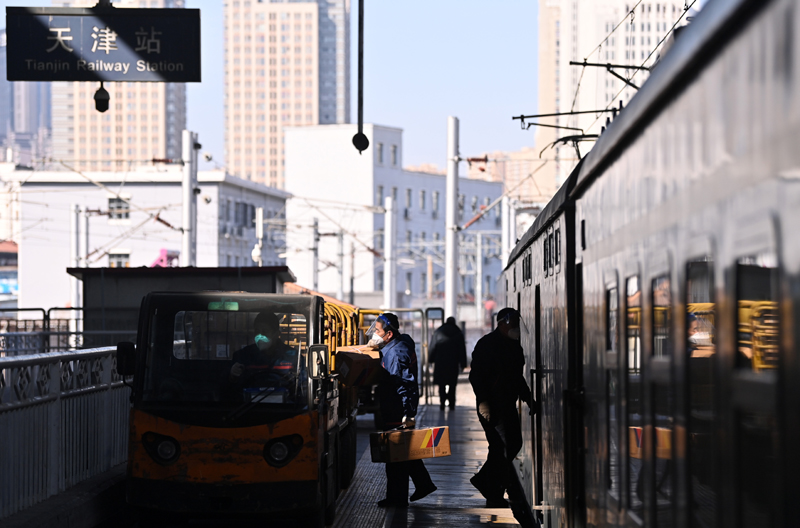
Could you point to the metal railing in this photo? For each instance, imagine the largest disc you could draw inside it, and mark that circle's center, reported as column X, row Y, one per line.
column 63, row 419
column 25, row 343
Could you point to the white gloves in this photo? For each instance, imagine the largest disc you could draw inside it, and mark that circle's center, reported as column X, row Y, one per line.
column 409, row 422
column 237, row 370
column 485, row 411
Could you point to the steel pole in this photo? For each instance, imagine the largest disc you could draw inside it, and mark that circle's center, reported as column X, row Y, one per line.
column 75, row 255
column 315, row 256
column 389, row 264
column 479, row 280
column 189, row 182
column 451, row 222
column 340, row 291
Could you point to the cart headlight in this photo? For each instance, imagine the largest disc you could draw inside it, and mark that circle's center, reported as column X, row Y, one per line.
column 280, row 451
column 163, row 449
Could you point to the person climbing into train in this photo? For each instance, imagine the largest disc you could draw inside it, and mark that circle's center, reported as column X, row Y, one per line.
column 498, row 381
column 398, row 396
column 268, row 361
column 448, row 353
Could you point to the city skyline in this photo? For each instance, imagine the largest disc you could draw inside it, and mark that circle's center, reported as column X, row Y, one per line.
column 399, row 42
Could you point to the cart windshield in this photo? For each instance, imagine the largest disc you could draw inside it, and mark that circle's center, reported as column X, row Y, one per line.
column 228, row 351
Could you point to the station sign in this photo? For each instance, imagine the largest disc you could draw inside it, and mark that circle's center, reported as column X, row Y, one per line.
column 103, row 44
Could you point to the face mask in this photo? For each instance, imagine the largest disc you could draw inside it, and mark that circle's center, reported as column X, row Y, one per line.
column 701, row 339
column 376, row 341
column 513, row 333
column 262, row 342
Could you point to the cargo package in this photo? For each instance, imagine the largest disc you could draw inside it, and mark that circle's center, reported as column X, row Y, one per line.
column 357, row 365
column 410, row 444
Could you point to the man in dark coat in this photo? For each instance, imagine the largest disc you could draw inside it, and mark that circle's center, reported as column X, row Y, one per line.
column 398, row 395
column 448, row 353
column 498, row 382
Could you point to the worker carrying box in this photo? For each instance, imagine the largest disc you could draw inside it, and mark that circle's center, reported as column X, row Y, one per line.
column 357, row 365
column 399, row 445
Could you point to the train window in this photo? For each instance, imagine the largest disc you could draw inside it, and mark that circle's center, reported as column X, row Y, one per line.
column 756, row 293
column 552, row 251
column 557, row 248
column 662, row 310
column 611, row 319
column 546, row 257
column 612, row 394
column 758, row 352
column 700, row 352
column 633, row 343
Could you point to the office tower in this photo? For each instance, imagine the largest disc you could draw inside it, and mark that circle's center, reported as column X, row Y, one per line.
column 144, row 120
column 578, row 30
column 5, row 91
column 286, row 64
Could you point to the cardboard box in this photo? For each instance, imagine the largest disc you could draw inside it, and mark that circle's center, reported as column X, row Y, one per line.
column 357, row 366
column 410, row 444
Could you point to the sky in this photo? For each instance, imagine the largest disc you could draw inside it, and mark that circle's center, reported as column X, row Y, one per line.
column 423, row 61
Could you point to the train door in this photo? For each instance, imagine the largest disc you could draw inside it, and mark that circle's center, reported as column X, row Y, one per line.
column 536, row 387
column 753, row 412
column 660, row 432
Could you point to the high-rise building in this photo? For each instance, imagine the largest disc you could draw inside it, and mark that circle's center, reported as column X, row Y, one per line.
column 143, row 121
column 584, row 30
column 24, row 117
column 286, row 64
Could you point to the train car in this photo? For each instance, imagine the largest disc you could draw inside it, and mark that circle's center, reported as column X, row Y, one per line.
column 218, row 428
column 677, row 357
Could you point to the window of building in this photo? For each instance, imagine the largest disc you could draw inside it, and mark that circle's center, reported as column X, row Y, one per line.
column 423, row 283
column 394, row 196
column 394, row 155
column 408, row 198
column 435, row 201
column 422, row 200
column 118, row 209
column 409, row 282
column 379, row 153
column 379, row 281
column 379, row 195
column 119, row 258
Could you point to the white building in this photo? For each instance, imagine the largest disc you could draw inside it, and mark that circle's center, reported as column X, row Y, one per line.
column 287, row 63
column 345, row 192
column 133, row 219
column 578, row 30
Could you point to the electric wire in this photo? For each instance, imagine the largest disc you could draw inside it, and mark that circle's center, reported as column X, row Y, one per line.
column 624, row 86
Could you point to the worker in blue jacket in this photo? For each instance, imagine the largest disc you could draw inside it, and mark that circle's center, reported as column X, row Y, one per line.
column 398, row 398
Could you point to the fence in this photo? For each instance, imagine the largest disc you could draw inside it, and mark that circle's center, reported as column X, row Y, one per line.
column 78, row 330
column 63, row 419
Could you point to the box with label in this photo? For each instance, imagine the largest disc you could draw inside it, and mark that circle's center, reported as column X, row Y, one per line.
column 357, row 366
column 410, row 444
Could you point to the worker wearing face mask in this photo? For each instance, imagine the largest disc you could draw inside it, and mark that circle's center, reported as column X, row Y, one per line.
column 268, row 361
column 398, row 398
column 497, row 378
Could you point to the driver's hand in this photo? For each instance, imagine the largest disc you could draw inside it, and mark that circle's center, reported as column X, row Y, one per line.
column 237, row 370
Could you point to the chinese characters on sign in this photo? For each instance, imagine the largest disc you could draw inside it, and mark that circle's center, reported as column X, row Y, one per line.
column 66, row 44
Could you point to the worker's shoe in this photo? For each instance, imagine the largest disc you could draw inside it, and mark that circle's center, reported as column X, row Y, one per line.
column 481, row 485
column 389, row 503
column 421, row 493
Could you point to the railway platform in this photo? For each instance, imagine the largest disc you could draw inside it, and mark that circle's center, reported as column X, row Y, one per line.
column 454, row 503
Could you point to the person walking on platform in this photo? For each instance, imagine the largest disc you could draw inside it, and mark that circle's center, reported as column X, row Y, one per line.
column 448, row 353
column 398, row 395
column 498, row 382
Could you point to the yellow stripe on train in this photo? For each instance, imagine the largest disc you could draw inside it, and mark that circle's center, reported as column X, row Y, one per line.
column 637, row 441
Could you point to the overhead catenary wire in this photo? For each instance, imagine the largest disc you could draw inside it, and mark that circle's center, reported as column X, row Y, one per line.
column 686, row 9
column 629, row 13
